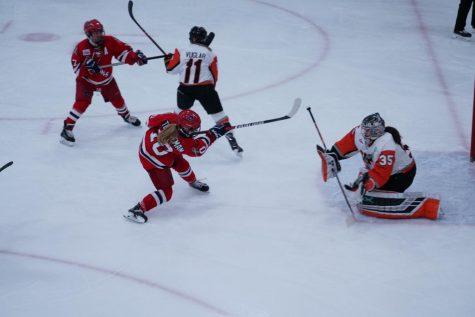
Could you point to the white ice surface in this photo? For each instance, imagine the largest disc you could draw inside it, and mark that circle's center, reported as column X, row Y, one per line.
column 270, row 239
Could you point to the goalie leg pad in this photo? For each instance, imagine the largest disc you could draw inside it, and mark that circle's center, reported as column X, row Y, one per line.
column 399, row 205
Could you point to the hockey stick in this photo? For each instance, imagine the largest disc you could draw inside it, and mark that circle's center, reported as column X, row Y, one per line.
column 209, row 39
column 6, row 165
column 131, row 4
column 293, row 111
column 337, row 178
column 121, row 63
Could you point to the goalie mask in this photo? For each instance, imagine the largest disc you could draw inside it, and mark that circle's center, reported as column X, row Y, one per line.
column 372, row 127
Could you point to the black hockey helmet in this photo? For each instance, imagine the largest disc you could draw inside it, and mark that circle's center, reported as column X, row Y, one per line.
column 372, row 126
column 198, row 34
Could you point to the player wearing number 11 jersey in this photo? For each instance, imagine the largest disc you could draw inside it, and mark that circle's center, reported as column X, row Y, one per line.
column 197, row 66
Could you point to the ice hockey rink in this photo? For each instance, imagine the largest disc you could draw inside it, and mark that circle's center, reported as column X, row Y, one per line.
column 270, row 239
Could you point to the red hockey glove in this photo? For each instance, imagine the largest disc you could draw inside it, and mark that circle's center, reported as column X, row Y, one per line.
column 141, row 58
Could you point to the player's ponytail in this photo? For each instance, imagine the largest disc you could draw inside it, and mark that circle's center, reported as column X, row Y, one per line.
column 168, row 134
column 395, row 133
column 396, row 136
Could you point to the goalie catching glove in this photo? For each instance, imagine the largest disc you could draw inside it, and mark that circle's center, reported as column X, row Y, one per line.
column 330, row 164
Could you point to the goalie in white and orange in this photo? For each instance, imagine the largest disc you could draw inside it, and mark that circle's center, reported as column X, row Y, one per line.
column 389, row 170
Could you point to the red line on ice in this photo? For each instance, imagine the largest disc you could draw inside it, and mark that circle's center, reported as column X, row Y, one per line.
column 321, row 57
column 452, row 107
column 47, row 127
column 121, row 275
column 6, row 26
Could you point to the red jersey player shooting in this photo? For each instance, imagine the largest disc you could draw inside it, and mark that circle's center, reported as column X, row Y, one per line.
column 89, row 55
column 168, row 139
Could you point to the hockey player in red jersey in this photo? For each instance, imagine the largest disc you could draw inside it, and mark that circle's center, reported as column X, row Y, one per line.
column 389, row 170
column 167, row 140
column 197, row 66
column 88, row 60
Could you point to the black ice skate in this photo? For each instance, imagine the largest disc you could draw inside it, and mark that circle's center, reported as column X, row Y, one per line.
column 67, row 137
column 463, row 35
column 132, row 120
column 234, row 145
column 203, row 187
column 135, row 214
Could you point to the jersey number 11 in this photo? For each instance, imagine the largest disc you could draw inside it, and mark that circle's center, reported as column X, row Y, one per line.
column 190, row 64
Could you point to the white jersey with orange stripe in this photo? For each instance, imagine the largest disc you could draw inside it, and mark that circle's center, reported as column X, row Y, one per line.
column 197, row 65
column 373, row 153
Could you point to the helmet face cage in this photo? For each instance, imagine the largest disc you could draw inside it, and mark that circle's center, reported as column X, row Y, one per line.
column 198, row 34
column 372, row 127
column 93, row 26
column 188, row 122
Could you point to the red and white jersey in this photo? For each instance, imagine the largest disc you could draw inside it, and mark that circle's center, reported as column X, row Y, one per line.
column 102, row 54
column 197, row 65
column 153, row 154
column 382, row 158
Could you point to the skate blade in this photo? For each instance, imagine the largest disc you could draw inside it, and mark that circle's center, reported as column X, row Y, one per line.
column 134, row 219
column 200, row 190
column 466, row 39
column 238, row 153
column 66, row 142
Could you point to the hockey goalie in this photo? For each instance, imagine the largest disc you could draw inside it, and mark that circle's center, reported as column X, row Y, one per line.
column 389, row 169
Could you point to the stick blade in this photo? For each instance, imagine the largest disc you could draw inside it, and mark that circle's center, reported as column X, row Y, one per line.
column 131, row 4
column 209, row 39
column 295, row 107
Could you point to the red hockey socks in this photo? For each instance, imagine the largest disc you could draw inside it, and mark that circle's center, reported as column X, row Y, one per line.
column 156, row 198
column 121, row 107
column 183, row 169
column 79, row 108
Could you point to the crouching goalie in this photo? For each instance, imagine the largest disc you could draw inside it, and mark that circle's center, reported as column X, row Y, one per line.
column 389, row 170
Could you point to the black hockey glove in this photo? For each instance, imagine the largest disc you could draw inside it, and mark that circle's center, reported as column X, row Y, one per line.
column 92, row 67
column 221, row 129
column 141, row 58
column 167, row 59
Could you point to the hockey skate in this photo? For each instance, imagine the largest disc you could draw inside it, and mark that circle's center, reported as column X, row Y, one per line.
column 202, row 187
column 135, row 214
column 462, row 34
column 132, row 120
column 234, row 145
column 67, row 137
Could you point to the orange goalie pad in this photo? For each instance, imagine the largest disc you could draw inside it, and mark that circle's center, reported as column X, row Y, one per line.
column 400, row 206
